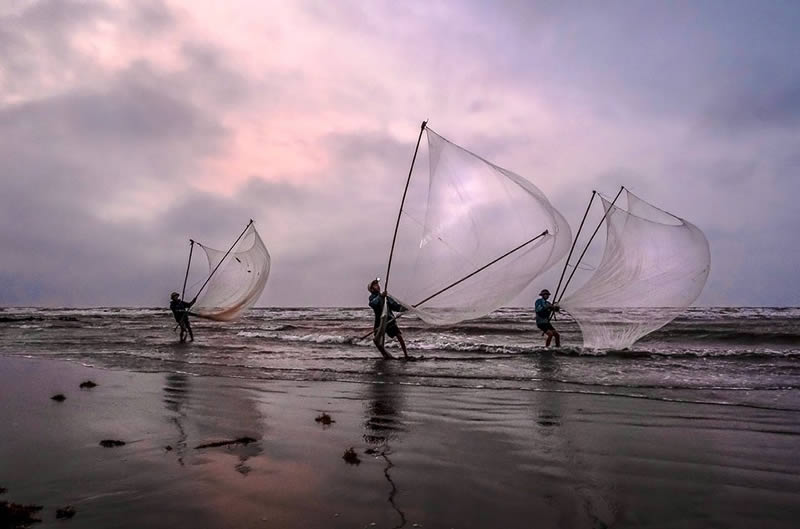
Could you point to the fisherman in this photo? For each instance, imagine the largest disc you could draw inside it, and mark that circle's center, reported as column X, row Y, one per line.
column 180, row 309
column 544, row 311
column 376, row 299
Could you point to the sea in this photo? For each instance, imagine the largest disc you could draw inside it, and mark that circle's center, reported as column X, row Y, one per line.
column 733, row 356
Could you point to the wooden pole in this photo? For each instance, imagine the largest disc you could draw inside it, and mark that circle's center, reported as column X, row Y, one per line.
column 453, row 284
column 574, row 241
column 186, row 277
column 382, row 328
column 588, row 243
column 222, row 260
column 400, row 212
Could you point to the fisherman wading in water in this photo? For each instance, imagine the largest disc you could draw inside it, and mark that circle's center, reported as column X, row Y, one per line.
column 376, row 300
column 180, row 309
column 544, row 311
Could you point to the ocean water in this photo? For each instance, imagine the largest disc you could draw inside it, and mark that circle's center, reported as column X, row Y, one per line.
column 695, row 426
column 729, row 356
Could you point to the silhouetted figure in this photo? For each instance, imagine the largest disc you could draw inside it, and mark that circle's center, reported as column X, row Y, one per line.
column 180, row 309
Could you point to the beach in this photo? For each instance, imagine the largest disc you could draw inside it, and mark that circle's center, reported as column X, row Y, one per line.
column 440, row 265
column 429, row 456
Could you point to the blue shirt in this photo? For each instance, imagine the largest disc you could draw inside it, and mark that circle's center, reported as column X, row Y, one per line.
column 543, row 309
column 376, row 302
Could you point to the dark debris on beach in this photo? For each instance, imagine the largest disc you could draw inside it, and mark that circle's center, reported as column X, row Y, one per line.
column 240, row 441
column 88, row 385
column 325, row 419
column 351, row 457
column 110, row 443
column 14, row 515
column 58, row 398
column 65, row 513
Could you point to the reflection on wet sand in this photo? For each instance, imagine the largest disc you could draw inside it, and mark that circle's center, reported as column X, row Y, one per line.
column 589, row 502
column 190, row 414
column 176, row 388
column 464, row 457
column 383, row 403
column 204, row 414
column 549, row 405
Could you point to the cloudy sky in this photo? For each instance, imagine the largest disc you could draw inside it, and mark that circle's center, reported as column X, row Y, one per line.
column 127, row 127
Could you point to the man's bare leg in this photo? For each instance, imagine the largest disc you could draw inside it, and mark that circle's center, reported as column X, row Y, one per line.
column 382, row 349
column 558, row 338
column 549, row 338
column 403, row 345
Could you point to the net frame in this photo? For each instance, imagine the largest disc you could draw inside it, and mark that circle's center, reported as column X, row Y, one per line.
column 465, row 192
column 654, row 265
column 238, row 281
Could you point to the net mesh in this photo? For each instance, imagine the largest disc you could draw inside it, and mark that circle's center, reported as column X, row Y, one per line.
column 654, row 266
column 474, row 213
column 239, row 280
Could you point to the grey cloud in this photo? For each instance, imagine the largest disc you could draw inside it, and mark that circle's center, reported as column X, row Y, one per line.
column 626, row 61
column 55, row 18
column 770, row 104
column 323, row 246
column 136, row 107
column 36, row 42
column 95, row 143
column 208, row 67
column 355, row 149
column 152, row 17
column 69, row 156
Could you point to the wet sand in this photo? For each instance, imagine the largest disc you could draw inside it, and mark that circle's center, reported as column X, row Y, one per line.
column 440, row 457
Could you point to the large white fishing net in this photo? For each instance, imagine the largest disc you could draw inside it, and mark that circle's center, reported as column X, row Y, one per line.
column 464, row 214
column 238, row 282
column 654, row 266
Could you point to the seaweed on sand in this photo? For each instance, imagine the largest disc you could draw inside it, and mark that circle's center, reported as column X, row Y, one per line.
column 325, row 419
column 65, row 512
column 239, row 441
column 110, row 443
column 14, row 515
column 351, row 457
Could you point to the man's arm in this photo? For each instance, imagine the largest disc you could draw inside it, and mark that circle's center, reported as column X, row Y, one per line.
column 395, row 306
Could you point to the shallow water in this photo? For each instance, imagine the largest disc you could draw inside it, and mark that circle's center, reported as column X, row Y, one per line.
column 735, row 356
column 695, row 426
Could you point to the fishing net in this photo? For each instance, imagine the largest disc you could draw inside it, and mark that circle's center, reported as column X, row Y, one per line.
column 461, row 216
column 238, row 282
column 654, row 266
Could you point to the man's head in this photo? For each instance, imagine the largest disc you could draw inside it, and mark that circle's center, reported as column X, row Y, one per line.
column 174, row 296
column 374, row 286
column 545, row 293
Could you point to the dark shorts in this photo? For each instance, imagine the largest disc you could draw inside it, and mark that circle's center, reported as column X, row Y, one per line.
column 183, row 321
column 392, row 330
column 546, row 326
